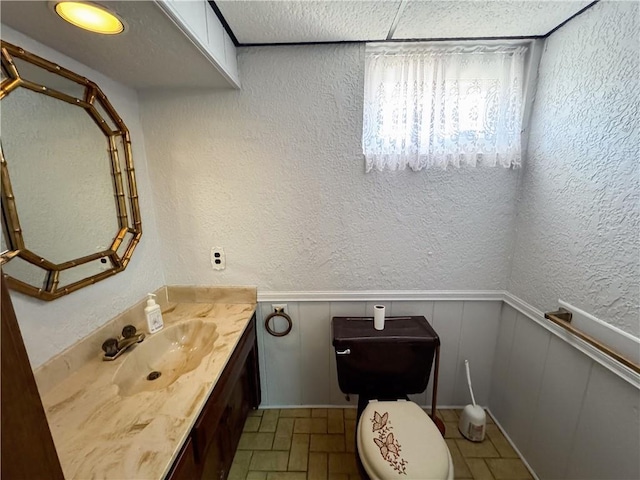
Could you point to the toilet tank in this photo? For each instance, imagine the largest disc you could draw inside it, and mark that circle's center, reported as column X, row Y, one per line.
column 383, row 364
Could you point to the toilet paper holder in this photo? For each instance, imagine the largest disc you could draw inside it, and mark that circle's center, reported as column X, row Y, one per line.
column 279, row 312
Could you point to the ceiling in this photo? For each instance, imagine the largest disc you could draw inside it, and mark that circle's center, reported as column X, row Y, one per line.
column 154, row 53
column 258, row 22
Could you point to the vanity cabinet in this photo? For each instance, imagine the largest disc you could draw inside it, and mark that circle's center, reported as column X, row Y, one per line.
column 209, row 450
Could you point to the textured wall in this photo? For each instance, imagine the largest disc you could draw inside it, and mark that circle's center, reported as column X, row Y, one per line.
column 578, row 216
column 274, row 173
column 50, row 327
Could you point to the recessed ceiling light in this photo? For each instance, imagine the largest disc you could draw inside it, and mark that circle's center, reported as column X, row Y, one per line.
column 90, row 16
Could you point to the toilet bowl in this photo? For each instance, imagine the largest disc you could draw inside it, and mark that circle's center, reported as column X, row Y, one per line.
column 397, row 439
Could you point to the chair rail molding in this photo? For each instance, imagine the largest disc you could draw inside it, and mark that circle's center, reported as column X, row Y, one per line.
column 381, row 295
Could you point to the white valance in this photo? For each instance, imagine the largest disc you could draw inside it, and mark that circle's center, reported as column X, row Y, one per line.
column 436, row 105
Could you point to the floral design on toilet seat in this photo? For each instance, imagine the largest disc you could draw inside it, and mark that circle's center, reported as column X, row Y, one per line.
column 389, row 447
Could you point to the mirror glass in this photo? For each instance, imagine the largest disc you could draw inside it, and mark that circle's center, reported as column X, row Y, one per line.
column 69, row 200
column 80, row 168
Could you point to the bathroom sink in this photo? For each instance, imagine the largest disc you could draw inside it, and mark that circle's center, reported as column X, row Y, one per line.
column 165, row 356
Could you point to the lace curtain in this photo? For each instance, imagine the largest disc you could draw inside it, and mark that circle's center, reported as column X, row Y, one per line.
column 427, row 106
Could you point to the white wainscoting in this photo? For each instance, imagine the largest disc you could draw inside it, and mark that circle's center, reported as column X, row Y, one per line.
column 300, row 369
column 568, row 413
column 571, row 411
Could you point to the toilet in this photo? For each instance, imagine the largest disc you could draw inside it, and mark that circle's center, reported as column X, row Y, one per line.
column 395, row 438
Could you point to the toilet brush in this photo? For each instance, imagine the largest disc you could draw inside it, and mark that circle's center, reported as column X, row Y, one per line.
column 473, row 419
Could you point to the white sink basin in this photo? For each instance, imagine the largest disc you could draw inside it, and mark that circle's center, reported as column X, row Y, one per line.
column 171, row 352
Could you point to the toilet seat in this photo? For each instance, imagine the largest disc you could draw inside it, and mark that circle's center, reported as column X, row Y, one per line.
column 398, row 440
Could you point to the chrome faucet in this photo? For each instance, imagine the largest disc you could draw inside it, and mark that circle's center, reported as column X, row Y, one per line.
column 114, row 347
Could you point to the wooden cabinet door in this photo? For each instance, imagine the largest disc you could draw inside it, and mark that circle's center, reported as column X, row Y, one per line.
column 216, row 461
column 239, row 406
column 185, row 467
column 221, row 448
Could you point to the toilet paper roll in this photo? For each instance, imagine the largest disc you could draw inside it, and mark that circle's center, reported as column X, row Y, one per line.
column 378, row 317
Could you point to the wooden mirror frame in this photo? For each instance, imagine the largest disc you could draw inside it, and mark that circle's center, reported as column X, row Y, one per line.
column 50, row 289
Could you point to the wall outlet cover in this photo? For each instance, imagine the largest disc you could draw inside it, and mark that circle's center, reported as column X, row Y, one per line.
column 218, row 260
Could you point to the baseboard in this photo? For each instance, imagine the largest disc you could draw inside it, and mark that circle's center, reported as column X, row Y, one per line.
column 513, row 445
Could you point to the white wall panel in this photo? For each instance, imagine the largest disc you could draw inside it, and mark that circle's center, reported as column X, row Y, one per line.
column 526, row 366
column 478, row 337
column 500, row 370
column 568, row 415
column 315, row 353
column 399, row 309
column 349, row 309
column 281, row 368
column 607, row 439
column 447, row 322
column 564, row 382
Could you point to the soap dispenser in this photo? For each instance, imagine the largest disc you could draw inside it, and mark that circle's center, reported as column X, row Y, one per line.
column 154, row 314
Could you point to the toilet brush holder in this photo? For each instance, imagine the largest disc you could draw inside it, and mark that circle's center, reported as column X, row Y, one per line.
column 473, row 420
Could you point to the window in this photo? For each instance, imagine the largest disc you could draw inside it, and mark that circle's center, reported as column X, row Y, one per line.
column 442, row 106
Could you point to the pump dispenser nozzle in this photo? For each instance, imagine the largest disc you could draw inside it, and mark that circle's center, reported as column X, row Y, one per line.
column 151, row 300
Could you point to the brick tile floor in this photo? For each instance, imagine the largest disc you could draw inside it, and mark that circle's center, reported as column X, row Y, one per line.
column 318, row 444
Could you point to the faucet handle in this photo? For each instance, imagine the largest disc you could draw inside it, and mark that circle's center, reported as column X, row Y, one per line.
column 110, row 347
column 128, row 331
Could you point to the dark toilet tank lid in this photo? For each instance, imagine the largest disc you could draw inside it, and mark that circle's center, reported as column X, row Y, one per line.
column 400, row 329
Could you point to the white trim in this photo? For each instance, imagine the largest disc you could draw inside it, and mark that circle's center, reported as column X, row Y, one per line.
column 382, row 295
column 596, row 355
column 613, row 337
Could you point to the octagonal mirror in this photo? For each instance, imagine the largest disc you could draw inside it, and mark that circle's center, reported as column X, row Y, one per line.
column 70, row 214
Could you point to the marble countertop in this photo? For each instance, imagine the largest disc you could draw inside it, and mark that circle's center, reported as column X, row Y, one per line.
column 100, row 434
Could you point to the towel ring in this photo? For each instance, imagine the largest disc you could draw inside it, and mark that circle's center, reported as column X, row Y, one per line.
column 278, row 313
